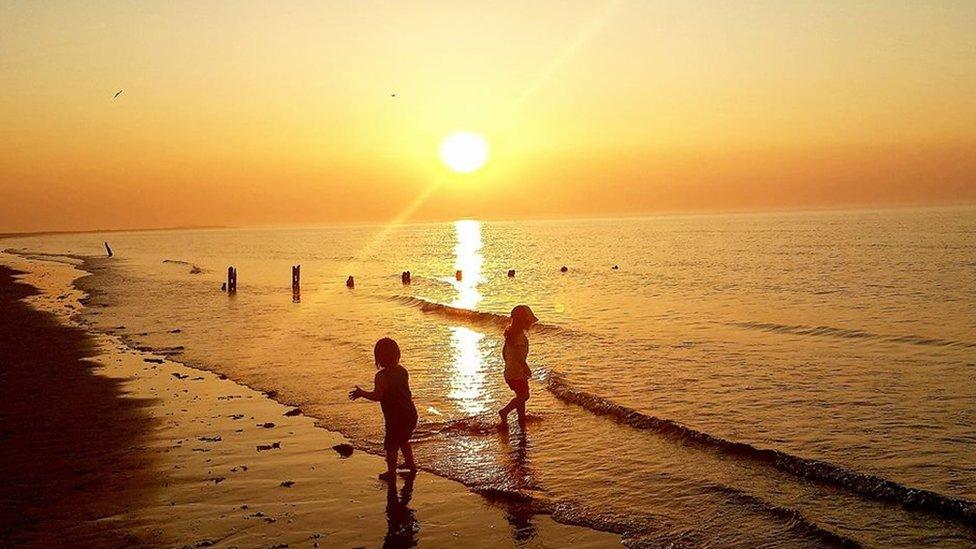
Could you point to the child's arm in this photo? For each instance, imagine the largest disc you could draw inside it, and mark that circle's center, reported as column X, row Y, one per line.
column 379, row 386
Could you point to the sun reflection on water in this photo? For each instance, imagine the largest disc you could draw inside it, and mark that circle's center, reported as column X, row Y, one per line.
column 469, row 353
column 468, row 376
column 468, row 260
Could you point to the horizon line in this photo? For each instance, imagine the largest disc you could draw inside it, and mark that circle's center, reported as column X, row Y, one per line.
column 588, row 217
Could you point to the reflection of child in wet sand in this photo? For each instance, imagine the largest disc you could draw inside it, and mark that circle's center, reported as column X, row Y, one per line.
column 392, row 390
column 516, row 352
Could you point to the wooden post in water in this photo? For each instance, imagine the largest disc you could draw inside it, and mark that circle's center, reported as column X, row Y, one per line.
column 108, row 249
column 405, row 277
column 296, row 275
column 296, row 288
column 350, row 282
column 231, row 280
column 458, row 275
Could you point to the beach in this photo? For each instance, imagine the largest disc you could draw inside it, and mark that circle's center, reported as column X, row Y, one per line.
column 105, row 445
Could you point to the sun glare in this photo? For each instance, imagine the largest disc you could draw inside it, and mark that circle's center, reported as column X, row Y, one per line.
column 464, row 152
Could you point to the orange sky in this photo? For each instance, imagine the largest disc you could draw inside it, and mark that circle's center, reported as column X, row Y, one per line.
column 249, row 113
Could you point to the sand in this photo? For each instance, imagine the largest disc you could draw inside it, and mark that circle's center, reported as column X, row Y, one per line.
column 104, row 445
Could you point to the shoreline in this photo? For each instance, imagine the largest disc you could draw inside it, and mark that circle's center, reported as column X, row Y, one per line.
column 201, row 462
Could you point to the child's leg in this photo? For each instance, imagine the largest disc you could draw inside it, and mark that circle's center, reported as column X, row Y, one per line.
column 391, row 463
column 408, row 456
column 520, row 399
column 512, row 404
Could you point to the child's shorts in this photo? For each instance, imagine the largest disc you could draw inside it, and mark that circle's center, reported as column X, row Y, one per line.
column 399, row 432
column 520, row 386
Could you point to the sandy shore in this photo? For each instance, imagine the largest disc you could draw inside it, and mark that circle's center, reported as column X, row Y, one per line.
column 108, row 446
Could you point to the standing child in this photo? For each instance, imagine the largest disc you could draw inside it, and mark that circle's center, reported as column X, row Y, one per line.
column 391, row 388
column 515, row 352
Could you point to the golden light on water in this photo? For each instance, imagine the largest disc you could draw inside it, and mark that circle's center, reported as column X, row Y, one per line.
column 469, row 356
column 468, row 377
column 464, row 152
column 468, row 260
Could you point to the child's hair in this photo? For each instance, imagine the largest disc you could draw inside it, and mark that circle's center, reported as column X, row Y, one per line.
column 522, row 318
column 386, row 352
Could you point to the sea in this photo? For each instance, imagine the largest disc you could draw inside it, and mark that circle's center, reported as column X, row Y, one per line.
column 801, row 379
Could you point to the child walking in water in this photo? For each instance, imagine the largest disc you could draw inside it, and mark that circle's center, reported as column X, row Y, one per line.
column 391, row 388
column 515, row 352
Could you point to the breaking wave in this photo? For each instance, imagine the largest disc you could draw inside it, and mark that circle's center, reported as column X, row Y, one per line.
column 866, row 485
column 469, row 315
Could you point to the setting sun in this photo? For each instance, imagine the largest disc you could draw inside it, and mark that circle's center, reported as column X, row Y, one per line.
column 464, row 152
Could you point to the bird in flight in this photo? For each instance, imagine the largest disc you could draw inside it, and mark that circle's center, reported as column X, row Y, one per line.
column 118, row 93
column 393, row 95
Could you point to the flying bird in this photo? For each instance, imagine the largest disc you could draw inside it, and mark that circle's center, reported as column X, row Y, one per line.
column 118, row 93
column 393, row 95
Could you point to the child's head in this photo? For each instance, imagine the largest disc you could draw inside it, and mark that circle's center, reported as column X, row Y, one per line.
column 522, row 319
column 386, row 352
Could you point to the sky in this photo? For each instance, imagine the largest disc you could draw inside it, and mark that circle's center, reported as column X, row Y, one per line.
column 259, row 113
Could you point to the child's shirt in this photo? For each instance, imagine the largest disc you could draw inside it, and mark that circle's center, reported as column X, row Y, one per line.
column 516, row 352
column 396, row 401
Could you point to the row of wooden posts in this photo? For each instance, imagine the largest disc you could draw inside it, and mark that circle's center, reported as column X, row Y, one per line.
column 296, row 280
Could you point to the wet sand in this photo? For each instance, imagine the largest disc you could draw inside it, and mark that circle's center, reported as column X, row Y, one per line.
column 108, row 446
column 68, row 436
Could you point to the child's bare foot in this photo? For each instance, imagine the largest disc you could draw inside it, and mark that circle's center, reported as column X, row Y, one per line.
column 388, row 476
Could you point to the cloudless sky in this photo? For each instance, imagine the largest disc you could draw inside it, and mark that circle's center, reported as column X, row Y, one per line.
column 257, row 113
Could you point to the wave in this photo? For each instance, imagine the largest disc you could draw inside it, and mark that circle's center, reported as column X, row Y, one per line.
column 194, row 269
column 866, row 485
column 478, row 425
column 468, row 315
column 432, row 280
column 830, row 331
column 797, row 521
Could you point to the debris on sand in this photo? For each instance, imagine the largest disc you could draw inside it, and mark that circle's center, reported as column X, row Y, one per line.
column 287, row 484
column 262, row 516
column 344, row 450
column 178, row 375
column 153, row 360
column 215, row 438
column 176, row 331
column 293, row 412
column 267, row 425
column 271, row 394
column 272, row 446
column 171, row 351
column 218, row 480
column 201, row 543
column 236, row 416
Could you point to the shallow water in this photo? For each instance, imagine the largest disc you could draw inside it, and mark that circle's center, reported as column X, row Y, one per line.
column 791, row 379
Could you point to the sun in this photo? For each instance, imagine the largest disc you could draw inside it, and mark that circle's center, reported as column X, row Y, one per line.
column 464, row 152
